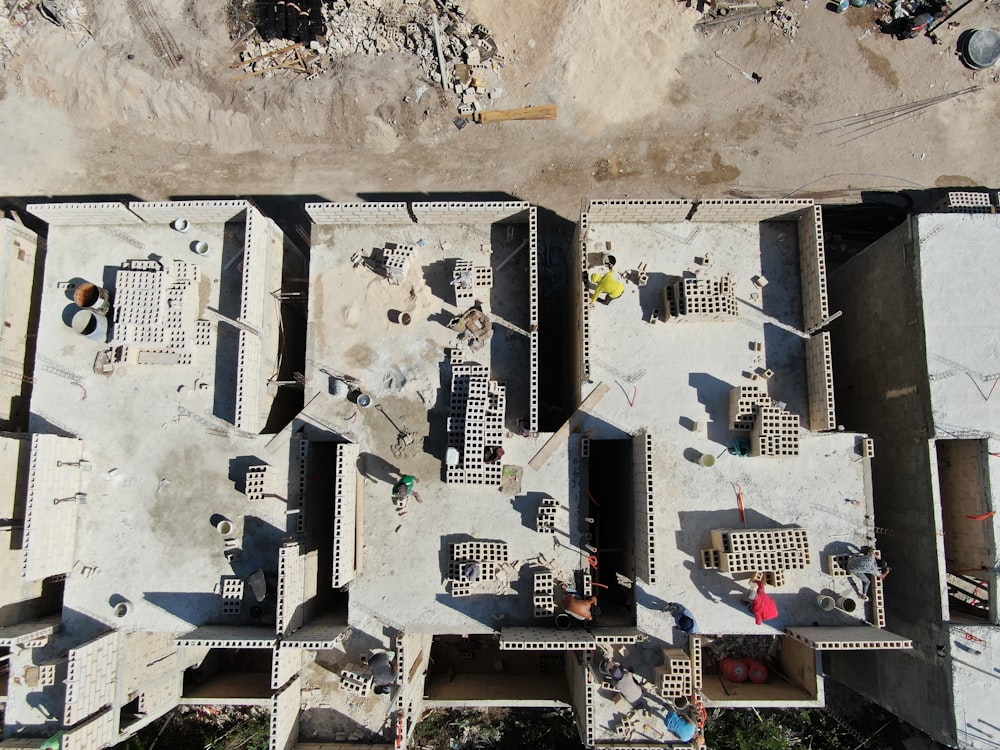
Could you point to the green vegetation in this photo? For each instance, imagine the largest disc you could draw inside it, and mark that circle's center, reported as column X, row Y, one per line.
column 497, row 729
column 203, row 728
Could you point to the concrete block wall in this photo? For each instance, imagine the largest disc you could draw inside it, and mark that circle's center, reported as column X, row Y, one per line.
column 263, row 248
column 291, row 587
column 812, row 267
column 91, row 678
column 615, row 635
column 49, row 541
column 533, row 319
column 477, row 407
column 285, row 706
column 850, row 638
column 629, row 210
column 819, row 383
column 298, row 473
column 751, row 210
column 25, row 632
column 359, row 213
column 149, row 657
column 100, row 731
column 214, row 212
column 644, row 502
column 18, row 247
column 89, row 214
column 285, row 664
column 345, row 493
column 228, row 636
column 545, row 639
column 314, row 636
column 694, row 653
column 471, row 212
column 158, row 698
column 967, row 202
column 584, row 342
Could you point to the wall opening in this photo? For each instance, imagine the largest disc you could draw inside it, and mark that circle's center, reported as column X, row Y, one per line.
column 472, row 669
column 790, row 666
column 129, row 714
column 329, row 603
column 230, row 673
column 969, row 547
column 612, row 506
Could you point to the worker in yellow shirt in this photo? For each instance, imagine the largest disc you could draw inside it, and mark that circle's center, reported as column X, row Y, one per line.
column 608, row 284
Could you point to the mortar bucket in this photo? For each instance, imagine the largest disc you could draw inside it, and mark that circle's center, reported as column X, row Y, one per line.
column 338, row 387
column 403, row 318
column 707, row 460
column 825, row 603
column 199, row 247
column 181, row 225
column 121, row 609
column 847, row 604
column 92, row 297
column 224, row 527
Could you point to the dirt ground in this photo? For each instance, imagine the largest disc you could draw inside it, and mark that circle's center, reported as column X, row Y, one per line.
column 646, row 109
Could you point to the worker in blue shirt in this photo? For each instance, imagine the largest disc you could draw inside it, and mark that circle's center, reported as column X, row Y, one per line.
column 683, row 619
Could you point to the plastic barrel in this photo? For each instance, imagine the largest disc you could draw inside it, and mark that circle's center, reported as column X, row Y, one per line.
column 758, row 672
column 734, row 670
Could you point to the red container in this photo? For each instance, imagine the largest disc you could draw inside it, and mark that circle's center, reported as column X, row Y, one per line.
column 758, row 672
column 734, row 670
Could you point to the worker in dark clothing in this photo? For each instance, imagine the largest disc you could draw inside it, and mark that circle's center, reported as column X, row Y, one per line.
column 866, row 563
column 383, row 670
column 683, row 619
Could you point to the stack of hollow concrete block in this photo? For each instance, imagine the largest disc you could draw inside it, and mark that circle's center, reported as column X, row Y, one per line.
column 701, row 298
column 489, row 555
column 475, row 422
column 775, row 432
column 753, row 550
column 469, row 280
column 396, row 261
column 674, row 678
column 744, row 403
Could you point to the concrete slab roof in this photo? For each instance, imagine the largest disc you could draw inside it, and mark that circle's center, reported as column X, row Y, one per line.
column 956, row 255
column 165, row 458
column 667, row 377
column 353, row 332
column 974, row 652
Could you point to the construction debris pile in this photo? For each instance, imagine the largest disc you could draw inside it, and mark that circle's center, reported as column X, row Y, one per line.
column 452, row 50
column 22, row 18
column 784, row 19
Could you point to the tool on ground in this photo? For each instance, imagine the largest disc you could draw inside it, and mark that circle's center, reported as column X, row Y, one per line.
column 79, row 497
column 738, row 488
column 752, row 77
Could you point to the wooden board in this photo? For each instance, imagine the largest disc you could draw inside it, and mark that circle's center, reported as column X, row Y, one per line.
column 561, row 435
column 544, row 112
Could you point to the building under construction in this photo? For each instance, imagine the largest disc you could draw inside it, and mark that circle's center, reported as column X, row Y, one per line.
column 201, row 494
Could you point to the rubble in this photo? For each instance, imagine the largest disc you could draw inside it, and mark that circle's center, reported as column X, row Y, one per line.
column 784, row 19
column 469, row 54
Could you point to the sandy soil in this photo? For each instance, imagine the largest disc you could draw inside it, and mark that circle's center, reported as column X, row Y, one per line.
column 647, row 109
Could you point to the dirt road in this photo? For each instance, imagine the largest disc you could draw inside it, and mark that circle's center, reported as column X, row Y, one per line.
column 647, row 109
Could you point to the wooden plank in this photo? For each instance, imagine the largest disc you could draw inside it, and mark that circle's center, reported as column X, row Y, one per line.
column 252, row 60
column 561, row 435
column 544, row 112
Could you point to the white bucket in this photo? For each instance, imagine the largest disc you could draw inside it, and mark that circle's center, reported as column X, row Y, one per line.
column 825, row 603
column 451, row 457
column 707, row 460
column 181, row 225
column 338, row 387
column 121, row 609
column 224, row 527
column 199, row 247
